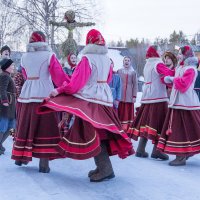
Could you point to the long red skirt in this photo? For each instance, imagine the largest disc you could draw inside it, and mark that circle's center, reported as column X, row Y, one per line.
column 181, row 133
column 149, row 121
column 36, row 135
column 93, row 123
column 126, row 114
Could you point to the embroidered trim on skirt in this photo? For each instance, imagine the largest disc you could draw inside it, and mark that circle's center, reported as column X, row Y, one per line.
column 184, row 135
column 149, row 121
column 126, row 114
column 36, row 135
column 82, row 141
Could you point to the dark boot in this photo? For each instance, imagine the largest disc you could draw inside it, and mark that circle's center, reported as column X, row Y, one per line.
column 44, row 165
column 2, row 149
column 20, row 163
column 5, row 136
column 156, row 154
column 104, row 166
column 141, row 148
column 178, row 161
column 95, row 170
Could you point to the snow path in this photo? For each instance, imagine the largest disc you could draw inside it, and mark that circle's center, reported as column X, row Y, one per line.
column 136, row 179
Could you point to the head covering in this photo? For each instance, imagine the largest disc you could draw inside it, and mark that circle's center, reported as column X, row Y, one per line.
column 152, row 52
column 4, row 48
column 187, row 51
column 37, row 36
column 5, row 63
column 172, row 57
column 95, row 37
column 69, row 60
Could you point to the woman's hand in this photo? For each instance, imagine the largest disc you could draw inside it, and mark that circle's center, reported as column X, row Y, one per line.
column 54, row 93
column 168, row 79
column 5, row 104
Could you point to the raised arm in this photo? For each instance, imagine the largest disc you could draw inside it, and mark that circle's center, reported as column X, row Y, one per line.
column 57, row 74
column 163, row 70
column 183, row 83
column 79, row 78
column 58, row 23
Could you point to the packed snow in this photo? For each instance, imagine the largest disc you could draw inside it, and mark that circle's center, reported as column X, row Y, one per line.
column 136, row 179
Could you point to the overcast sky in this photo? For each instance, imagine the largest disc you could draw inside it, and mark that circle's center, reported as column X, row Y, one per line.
column 127, row 19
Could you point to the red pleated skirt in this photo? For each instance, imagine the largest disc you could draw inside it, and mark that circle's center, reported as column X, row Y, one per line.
column 126, row 114
column 36, row 135
column 181, row 133
column 149, row 121
column 93, row 123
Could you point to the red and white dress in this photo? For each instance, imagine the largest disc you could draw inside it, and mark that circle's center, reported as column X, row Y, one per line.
column 37, row 135
column 89, row 98
column 154, row 103
column 180, row 134
column 128, row 96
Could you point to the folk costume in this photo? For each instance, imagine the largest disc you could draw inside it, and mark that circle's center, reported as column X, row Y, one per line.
column 151, row 115
column 128, row 94
column 180, row 134
column 37, row 135
column 96, row 131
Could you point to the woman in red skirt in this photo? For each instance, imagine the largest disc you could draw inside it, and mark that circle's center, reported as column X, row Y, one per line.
column 151, row 115
column 37, row 135
column 128, row 93
column 96, row 131
column 181, row 131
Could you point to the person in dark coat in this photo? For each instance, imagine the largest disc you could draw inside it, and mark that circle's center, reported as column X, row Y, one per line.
column 7, row 101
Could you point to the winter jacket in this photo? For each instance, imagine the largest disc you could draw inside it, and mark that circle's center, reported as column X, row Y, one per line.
column 7, row 95
column 129, row 84
column 116, row 86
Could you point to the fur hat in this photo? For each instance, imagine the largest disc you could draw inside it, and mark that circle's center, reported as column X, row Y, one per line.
column 5, row 63
column 37, row 36
column 95, row 37
column 172, row 57
column 152, row 52
column 4, row 48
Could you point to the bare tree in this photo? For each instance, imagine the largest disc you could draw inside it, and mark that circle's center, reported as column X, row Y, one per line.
column 9, row 26
column 36, row 15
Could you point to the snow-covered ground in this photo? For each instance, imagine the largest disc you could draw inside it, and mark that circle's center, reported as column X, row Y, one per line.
column 136, row 179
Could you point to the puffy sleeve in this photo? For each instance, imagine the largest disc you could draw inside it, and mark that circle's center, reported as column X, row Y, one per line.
column 24, row 73
column 57, row 74
column 163, row 70
column 78, row 79
column 183, row 83
column 110, row 74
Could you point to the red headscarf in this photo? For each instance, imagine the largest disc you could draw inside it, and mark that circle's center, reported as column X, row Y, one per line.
column 95, row 37
column 69, row 61
column 152, row 53
column 187, row 52
column 37, row 36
